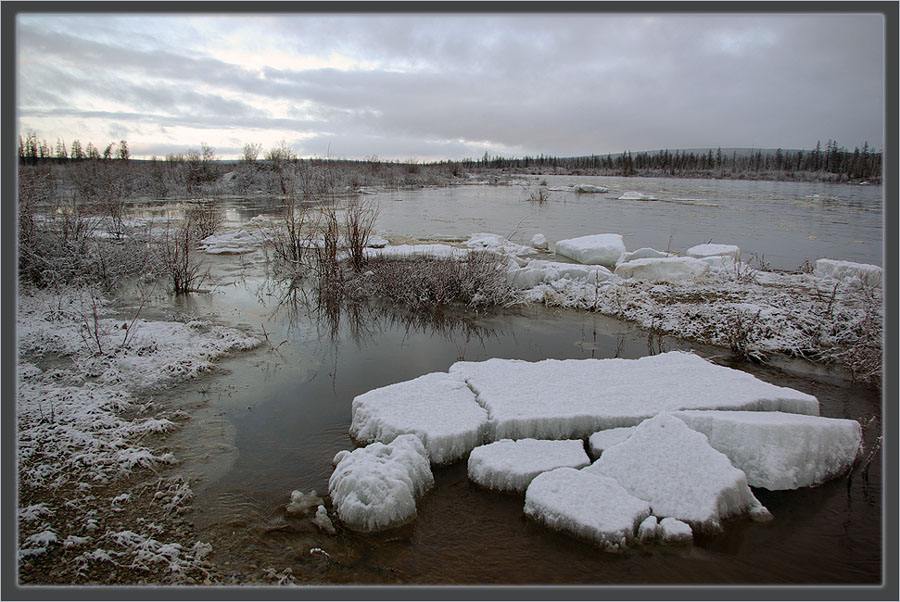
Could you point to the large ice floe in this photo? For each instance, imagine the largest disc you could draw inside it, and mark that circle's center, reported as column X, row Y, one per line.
column 662, row 269
column 846, row 270
column 537, row 271
column 594, row 249
column 509, row 465
column 374, row 488
column 714, row 250
column 440, row 410
column 777, row 450
column 587, row 505
column 563, row 399
column 675, row 469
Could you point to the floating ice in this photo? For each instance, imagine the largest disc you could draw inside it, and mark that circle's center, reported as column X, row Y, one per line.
column 595, row 249
column 663, row 269
column 565, row 399
column 778, row 450
column 494, row 242
column 672, row 530
column 676, row 470
column 642, row 253
column 587, row 505
column 845, row 270
column 303, row 503
column 648, row 530
column 539, row 241
column 510, row 465
column 374, row 488
column 232, row 243
column 714, row 250
column 589, row 188
column 603, row 440
column 631, row 195
column 537, row 271
column 414, row 251
column 440, row 410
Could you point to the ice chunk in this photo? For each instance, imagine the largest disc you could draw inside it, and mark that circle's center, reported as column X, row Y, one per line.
column 778, row 450
column 567, row 399
column 649, row 529
column 510, row 465
column 662, row 269
column 589, row 188
column 438, row 251
column 589, row 506
column 722, row 263
column 672, row 530
column 303, row 503
column 537, row 271
column 377, row 242
column 539, row 241
column 714, row 250
column 440, row 410
column 632, row 195
column 603, row 440
column 845, row 270
column 642, row 253
column 497, row 244
column 374, row 488
column 323, row 521
column 232, row 243
column 595, row 249
column 676, row 470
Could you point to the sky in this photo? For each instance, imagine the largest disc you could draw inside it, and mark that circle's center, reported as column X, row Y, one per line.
column 429, row 87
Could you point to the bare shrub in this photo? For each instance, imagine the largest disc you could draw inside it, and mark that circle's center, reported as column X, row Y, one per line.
column 176, row 251
column 539, row 196
column 359, row 221
column 204, row 218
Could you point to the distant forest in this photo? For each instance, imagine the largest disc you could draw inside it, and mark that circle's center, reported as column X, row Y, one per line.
column 832, row 163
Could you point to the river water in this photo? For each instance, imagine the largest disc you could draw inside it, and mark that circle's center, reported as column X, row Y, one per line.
column 271, row 420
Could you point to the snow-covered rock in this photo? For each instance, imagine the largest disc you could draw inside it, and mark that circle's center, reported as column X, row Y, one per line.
column 675, row 469
column 603, row 440
column 589, row 189
column 439, row 410
column 632, row 195
column 537, row 271
column 594, row 249
column 566, row 399
column 663, row 269
column 586, row 505
column 642, row 253
column 509, row 465
column 714, row 250
column 845, row 270
column 672, row 530
column 539, row 241
column 777, row 450
column 374, row 488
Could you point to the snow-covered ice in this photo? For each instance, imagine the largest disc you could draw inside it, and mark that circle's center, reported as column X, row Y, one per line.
column 603, row 440
column 232, row 243
column 564, row 399
column 672, row 530
column 589, row 189
column 662, row 269
column 484, row 241
column 632, row 195
column 648, row 530
column 586, row 505
column 439, row 251
column 675, row 469
column 510, row 465
column 714, row 250
column 642, row 253
column 303, row 503
column 539, row 241
column 594, row 249
column 377, row 242
column 374, row 488
column 845, row 270
column 440, row 410
column 537, row 271
column 777, row 450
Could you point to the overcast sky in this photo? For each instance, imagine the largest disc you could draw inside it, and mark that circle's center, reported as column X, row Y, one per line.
column 451, row 86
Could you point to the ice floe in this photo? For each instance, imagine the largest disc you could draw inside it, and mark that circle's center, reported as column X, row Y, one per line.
column 539, row 241
column 563, row 399
column 594, row 249
column 845, row 270
column 675, row 469
column 589, row 189
column 484, row 241
column 632, row 195
column 662, row 269
column 537, row 271
column 672, row 530
column 232, row 243
column 603, row 440
column 777, row 450
column 439, row 251
column 587, row 505
column 714, row 250
column 509, row 465
column 440, row 410
column 374, row 488
column 642, row 253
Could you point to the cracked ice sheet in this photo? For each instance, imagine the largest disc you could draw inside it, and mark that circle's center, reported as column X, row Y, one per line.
column 565, row 399
column 511, row 465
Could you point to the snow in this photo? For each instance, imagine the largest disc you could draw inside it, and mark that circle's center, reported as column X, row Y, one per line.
column 662, row 269
column 642, row 253
column 562, row 399
column 509, row 465
column 374, row 488
column 777, row 450
column 586, row 505
column 648, row 530
column 537, row 271
column 846, row 270
column 539, row 241
column 484, row 241
column 714, row 250
column 672, row 530
column 632, row 195
column 440, row 410
column 232, row 243
column 603, row 440
column 676, row 470
column 594, row 249
column 589, row 188
column 377, row 242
